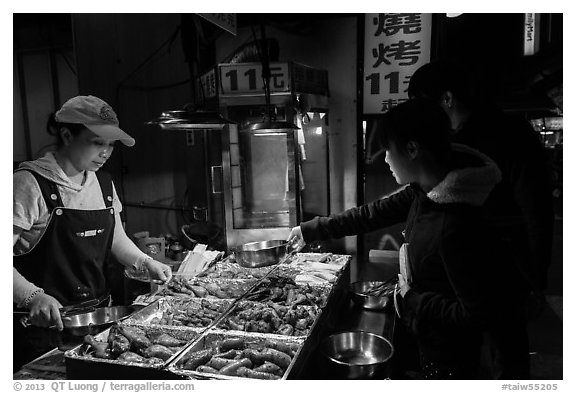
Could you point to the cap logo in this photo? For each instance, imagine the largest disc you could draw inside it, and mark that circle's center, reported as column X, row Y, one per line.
column 106, row 113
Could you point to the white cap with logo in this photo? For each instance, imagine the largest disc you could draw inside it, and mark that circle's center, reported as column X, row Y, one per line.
column 96, row 115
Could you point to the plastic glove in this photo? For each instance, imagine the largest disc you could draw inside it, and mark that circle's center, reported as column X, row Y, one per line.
column 158, row 270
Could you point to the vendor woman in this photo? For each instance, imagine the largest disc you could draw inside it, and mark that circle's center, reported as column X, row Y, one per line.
column 66, row 223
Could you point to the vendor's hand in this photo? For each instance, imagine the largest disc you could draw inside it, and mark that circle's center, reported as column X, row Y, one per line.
column 158, row 270
column 45, row 311
column 295, row 238
column 403, row 285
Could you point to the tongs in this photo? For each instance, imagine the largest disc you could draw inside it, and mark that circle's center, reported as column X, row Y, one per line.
column 291, row 245
column 66, row 311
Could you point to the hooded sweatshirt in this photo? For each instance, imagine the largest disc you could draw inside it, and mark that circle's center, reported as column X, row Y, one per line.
column 31, row 215
column 450, row 255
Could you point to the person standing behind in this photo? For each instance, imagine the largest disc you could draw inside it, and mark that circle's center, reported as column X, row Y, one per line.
column 521, row 206
column 66, row 223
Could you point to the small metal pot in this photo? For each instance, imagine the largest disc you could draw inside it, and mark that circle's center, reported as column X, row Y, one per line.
column 356, row 354
column 259, row 254
column 361, row 299
column 94, row 322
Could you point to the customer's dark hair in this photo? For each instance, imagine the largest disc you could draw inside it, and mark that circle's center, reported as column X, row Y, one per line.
column 53, row 128
column 419, row 120
column 433, row 79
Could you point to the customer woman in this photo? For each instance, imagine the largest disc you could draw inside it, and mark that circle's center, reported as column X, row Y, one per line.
column 66, row 223
column 446, row 291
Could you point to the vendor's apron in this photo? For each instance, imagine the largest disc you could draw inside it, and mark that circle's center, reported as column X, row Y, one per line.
column 68, row 262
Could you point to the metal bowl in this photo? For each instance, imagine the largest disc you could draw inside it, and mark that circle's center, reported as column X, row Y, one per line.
column 357, row 354
column 358, row 290
column 94, row 322
column 260, row 254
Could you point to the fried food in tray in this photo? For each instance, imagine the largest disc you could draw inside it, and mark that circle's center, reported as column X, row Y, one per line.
column 285, row 291
column 221, row 355
column 141, row 346
column 271, row 318
column 206, row 288
column 175, row 311
column 230, row 270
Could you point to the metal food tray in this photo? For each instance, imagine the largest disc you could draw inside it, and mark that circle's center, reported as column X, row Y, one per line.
column 254, row 340
column 236, row 309
column 79, row 366
column 146, row 315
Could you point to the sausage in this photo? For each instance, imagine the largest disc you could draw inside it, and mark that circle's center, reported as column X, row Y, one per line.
column 197, row 358
column 218, row 363
column 270, row 368
column 247, row 373
column 231, row 354
column 232, row 343
column 254, row 356
column 198, row 290
column 279, row 346
column 230, row 369
column 277, row 357
column 207, row 369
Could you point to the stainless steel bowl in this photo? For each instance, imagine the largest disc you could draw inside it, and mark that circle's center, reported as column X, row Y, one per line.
column 357, row 354
column 358, row 290
column 94, row 322
column 259, row 254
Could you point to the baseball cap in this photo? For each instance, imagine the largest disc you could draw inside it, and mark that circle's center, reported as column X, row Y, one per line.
column 96, row 115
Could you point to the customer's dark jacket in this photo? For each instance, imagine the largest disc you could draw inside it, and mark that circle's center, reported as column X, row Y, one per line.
column 521, row 204
column 455, row 274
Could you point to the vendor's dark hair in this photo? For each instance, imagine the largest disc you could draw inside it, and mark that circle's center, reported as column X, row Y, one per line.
column 419, row 120
column 53, row 128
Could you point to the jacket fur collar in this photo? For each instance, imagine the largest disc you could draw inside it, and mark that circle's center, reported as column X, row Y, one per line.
column 467, row 184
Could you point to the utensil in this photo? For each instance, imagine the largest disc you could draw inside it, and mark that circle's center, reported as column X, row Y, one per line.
column 95, row 321
column 373, row 295
column 82, row 307
column 356, row 354
column 260, row 254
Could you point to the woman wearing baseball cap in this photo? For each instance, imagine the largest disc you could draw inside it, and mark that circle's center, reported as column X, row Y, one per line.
column 66, row 223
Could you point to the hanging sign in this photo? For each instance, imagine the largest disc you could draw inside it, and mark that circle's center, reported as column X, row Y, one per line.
column 243, row 78
column 531, row 33
column 206, row 86
column 395, row 46
column 225, row 21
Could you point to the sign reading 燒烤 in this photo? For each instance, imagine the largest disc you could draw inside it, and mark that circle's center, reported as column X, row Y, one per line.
column 395, row 45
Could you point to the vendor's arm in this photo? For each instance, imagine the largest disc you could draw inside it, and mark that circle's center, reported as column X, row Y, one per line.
column 129, row 255
column 44, row 309
column 379, row 214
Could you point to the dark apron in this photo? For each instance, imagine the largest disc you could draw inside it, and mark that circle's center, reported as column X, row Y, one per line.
column 69, row 261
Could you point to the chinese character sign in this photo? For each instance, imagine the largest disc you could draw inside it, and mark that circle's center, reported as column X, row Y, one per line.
column 395, row 45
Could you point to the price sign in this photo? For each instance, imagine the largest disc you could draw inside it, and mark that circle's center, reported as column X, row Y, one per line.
column 395, row 45
column 206, row 86
column 243, row 78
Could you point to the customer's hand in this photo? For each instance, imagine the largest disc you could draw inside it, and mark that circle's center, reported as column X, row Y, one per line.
column 295, row 238
column 158, row 270
column 45, row 311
